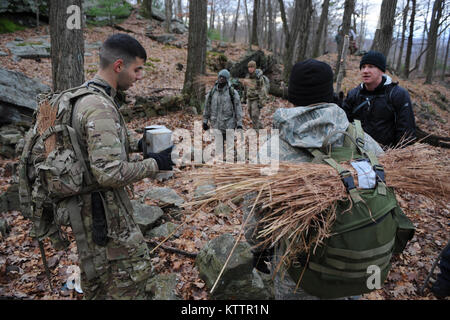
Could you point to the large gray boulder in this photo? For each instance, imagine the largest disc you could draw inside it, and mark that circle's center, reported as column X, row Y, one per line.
column 177, row 26
column 239, row 280
column 158, row 14
column 23, row 6
column 10, row 136
column 163, row 230
column 145, row 216
column 161, row 38
column 39, row 47
column 30, row 49
column 18, row 96
column 165, row 196
column 163, row 287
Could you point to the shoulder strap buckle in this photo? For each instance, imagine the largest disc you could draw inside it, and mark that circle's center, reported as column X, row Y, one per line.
column 347, row 179
column 379, row 171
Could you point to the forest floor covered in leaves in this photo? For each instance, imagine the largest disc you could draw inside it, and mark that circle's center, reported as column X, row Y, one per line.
column 22, row 274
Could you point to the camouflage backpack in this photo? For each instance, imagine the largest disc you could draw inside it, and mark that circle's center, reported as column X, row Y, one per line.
column 265, row 81
column 52, row 170
column 365, row 234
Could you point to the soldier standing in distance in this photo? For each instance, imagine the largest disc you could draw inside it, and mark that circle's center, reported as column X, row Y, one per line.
column 255, row 94
column 119, row 261
column 223, row 106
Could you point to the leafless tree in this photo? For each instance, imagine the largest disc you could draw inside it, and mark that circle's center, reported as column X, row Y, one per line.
column 432, row 39
column 410, row 39
column 236, row 21
column 196, row 60
column 402, row 41
column 67, row 46
column 254, row 38
column 319, row 34
column 349, row 7
column 383, row 35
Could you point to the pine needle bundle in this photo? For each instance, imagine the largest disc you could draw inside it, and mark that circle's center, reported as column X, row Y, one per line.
column 299, row 202
column 46, row 118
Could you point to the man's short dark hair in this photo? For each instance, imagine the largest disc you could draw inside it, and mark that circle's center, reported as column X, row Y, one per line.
column 121, row 46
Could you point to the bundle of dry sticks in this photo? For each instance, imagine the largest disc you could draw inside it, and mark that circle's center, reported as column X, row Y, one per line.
column 302, row 197
column 45, row 118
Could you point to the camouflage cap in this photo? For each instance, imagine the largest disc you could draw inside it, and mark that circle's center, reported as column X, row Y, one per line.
column 252, row 64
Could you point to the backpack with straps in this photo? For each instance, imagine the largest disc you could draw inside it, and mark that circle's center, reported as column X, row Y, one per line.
column 368, row 229
column 265, row 81
column 368, row 100
column 53, row 171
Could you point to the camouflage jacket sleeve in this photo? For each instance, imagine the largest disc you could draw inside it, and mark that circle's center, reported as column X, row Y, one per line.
column 106, row 141
column 134, row 141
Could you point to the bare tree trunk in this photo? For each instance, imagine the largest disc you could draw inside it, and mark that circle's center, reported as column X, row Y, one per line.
column 179, row 10
column 271, row 26
column 325, row 37
column 248, row 23
column 306, row 13
column 290, row 36
column 444, row 68
column 236, row 20
column 67, row 45
column 362, row 31
column 342, row 63
column 223, row 25
column 432, row 39
column 402, row 41
column 148, row 8
column 425, row 31
column 383, row 34
column 37, row 12
column 438, row 41
column 196, row 60
column 410, row 39
column 349, row 7
column 168, row 11
column 323, row 18
column 211, row 14
column 264, row 28
column 254, row 38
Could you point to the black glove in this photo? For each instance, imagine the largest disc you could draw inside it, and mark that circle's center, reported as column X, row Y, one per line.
column 99, row 226
column 163, row 159
column 140, row 148
column 260, row 258
column 205, row 126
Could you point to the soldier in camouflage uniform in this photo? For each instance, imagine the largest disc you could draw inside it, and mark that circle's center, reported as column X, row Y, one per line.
column 300, row 128
column 222, row 105
column 117, row 252
column 255, row 95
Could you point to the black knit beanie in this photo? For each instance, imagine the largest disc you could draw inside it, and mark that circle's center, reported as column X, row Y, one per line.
column 375, row 58
column 311, row 82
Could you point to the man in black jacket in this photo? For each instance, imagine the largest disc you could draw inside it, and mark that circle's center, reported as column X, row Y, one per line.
column 383, row 107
